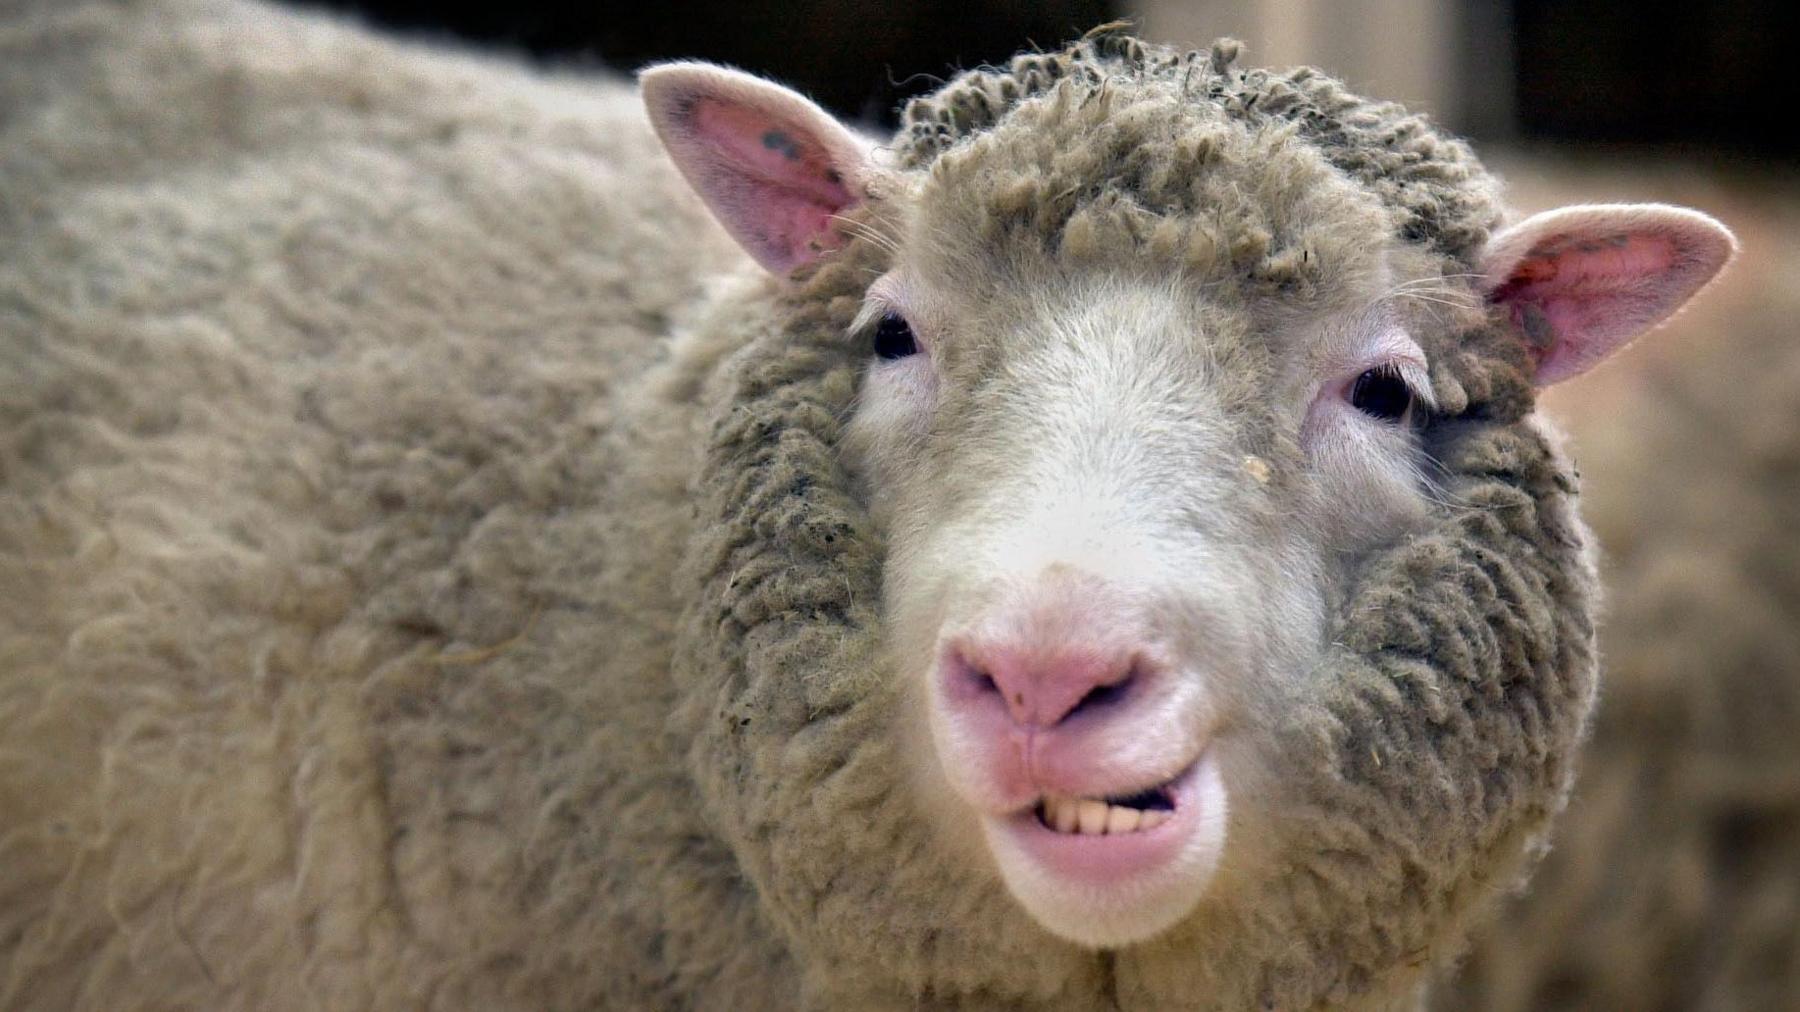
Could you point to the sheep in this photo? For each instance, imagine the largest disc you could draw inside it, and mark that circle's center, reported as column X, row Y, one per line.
column 1092, row 550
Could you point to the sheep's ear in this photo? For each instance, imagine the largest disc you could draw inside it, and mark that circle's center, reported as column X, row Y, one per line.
column 773, row 167
column 1581, row 282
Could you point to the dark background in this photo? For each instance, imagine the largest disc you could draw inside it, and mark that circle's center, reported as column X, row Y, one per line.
column 1677, row 72
column 1689, row 77
column 857, row 59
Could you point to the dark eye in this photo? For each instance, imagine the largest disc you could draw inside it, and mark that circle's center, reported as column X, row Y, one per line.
column 894, row 337
column 1381, row 393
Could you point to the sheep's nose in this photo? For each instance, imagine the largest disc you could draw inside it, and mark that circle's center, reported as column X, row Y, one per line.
column 1041, row 684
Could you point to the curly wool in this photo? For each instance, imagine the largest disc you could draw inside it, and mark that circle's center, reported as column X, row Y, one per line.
column 1444, row 197
column 345, row 479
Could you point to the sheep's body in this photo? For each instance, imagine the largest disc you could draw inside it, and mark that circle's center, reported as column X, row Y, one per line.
column 330, row 657
column 415, row 599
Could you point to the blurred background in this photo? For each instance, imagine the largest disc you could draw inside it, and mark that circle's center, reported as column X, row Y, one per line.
column 1674, row 880
column 1691, row 76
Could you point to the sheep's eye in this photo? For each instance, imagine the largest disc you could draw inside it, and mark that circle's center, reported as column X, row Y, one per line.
column 1381, row 393
column 894, row 337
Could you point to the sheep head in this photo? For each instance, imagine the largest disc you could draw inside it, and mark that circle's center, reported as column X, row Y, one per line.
column 1132, row 507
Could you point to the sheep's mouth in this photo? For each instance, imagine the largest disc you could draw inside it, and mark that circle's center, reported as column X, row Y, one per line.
column 1107, row 816
column 1118, row 884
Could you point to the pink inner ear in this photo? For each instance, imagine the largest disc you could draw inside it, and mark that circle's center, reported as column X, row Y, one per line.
column 775, row 185
column 1578, row 298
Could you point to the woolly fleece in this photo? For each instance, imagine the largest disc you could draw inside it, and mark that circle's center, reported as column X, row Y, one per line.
column 433, row 581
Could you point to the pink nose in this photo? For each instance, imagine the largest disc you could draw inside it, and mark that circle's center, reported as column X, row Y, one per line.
column 1042, row 684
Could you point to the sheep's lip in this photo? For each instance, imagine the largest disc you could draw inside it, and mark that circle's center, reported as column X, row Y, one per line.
column 1112, row 858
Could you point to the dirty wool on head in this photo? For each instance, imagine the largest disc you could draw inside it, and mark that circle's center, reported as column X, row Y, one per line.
column 397, row 616
column 1444, row 197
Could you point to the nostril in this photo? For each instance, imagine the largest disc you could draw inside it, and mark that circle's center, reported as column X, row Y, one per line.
column 968, row 679
column 1103, row 695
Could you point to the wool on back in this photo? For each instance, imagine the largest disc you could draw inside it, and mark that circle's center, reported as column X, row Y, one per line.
column 312, row 353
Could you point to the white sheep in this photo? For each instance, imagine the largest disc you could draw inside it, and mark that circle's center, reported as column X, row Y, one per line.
column 1094, row 551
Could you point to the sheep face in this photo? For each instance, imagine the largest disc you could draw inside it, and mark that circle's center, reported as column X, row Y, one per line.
column 1152, row 383
column 1120, row 500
